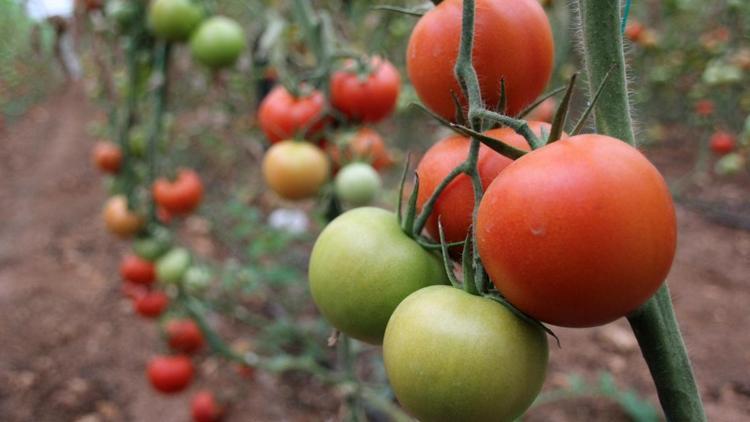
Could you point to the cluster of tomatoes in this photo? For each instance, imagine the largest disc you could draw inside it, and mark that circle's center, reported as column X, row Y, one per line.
column 576, row 233
column 302, row 159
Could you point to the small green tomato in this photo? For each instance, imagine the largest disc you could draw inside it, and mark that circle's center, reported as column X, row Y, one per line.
column 357, row 184
column 171, row 267
column 218, row 42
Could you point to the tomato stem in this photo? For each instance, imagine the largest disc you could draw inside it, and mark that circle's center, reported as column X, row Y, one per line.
column 654, row 324
column 161, row 69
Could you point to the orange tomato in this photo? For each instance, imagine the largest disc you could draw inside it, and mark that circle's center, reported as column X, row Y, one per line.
column 295, row 169
column 119, row 219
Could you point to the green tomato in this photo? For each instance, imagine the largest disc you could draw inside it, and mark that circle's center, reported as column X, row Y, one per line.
column 137, row 144
column 362, row 266
column 171, row 267
column 357, row 184
column 197, row 279
column 218, row 42
column 730, row 164
column 451, row 356
column 174, row 20
column 152, row 247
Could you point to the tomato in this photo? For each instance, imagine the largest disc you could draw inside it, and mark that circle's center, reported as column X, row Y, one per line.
column 170, row 374
column 295, row 169
column 544, row 112
column 366, row 98
column 196, row 279
column 137, row 270
column 634, row 30
column 578, row 233
column 218, row 42
column 184, row 335
column 451, row 356
column 152, row 247
column 205, row 408
column 119, row 219
column 704, row 108
column 362, row 266
column 364, row 144
column 357, row 184
column 456, row 204
column 174, row 20
column 107, row 157
column 181, row 196
column 730, row 164
column 171, row 267
column 282, row 116
column 513, row 41
column 151, row 304
column 132, row 290
column 722, row 143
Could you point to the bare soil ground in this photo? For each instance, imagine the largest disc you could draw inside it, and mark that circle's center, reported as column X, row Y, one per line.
column 72, row 350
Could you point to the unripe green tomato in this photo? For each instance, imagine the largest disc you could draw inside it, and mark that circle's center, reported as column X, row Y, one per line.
column 197, row 279
column 730, row 164
column 152, row 247
column 452, row 356
column 362, row 266
column 218, row 42
column 137, row 144
column 357, row 184
column 171, row 267
column 174, row 20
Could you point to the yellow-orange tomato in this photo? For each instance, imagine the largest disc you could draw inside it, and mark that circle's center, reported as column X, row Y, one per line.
column 295, row 169
column 578, row 233
column 456, row 203
column 107, row 157
column 119, row 219
column 513, row 41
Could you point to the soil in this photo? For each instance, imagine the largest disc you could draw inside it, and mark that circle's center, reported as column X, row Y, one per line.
column 73, row 350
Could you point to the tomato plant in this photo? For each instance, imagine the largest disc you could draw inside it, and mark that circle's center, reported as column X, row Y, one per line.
column 366, row 93
column 513, row 41
column 295, row 169
column 174, row 20
column 205, row 408
column 137, row 270
column 357, row 184
column 585, row 241
column 171, row 267
column 119, row 219
column 184, row 335
column 282, row 115
column 218, row 42
column 362, row 265
column 170, row 374
column 181, row 196
column 151, row 304
column 107, row 157
column 452, row 356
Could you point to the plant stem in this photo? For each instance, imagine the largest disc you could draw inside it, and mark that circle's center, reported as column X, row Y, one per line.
column 161, row 68
column 654, row 324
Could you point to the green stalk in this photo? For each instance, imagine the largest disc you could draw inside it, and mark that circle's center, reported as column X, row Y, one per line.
column 161, row 68
column 654, row 324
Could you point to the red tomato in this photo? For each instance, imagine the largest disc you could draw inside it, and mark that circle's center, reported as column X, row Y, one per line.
column 704, row 108
column 456, row 203
column 634, row 30
column 545, row 111
column 181, row 196
column 722, row 143
column 132, row 290
column 170, row 374
column 282, row 116
column 137, row 270
column 369, row 99
column 205, row 408
column 152, row 304
column 513, row 40
column 578, row 233
column 364, row 145
column 184, row 335
column 107, row 157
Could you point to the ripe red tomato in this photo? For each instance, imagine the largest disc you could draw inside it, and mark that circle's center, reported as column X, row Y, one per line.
column 456, row 204
column 152, row 304
column 367, row 99
column 181, row 196
column 578, row 233
column 137, row 270
column 704, row 108
column 634, row 30
column 132, row 290
column 170, row 374
column 107, row 157
column 184, row 335
column 544, row 112
column 364, row 145
column 282, row 116
column 722, row 143
column 205, row 408
column 513, row 40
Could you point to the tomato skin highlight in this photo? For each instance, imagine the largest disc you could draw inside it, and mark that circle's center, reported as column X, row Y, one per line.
column 362, row 265
column 452, row 356
column 295, row 169
column 107, row 157
column 513, row 41
column 370, row 100
column 456, row 204
column 170, row 374
column 205, row 408
column 578, row 233
column 184, row 335
column 282, row 116
column 151, row 304
column 181, row 196
column 137, row 270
